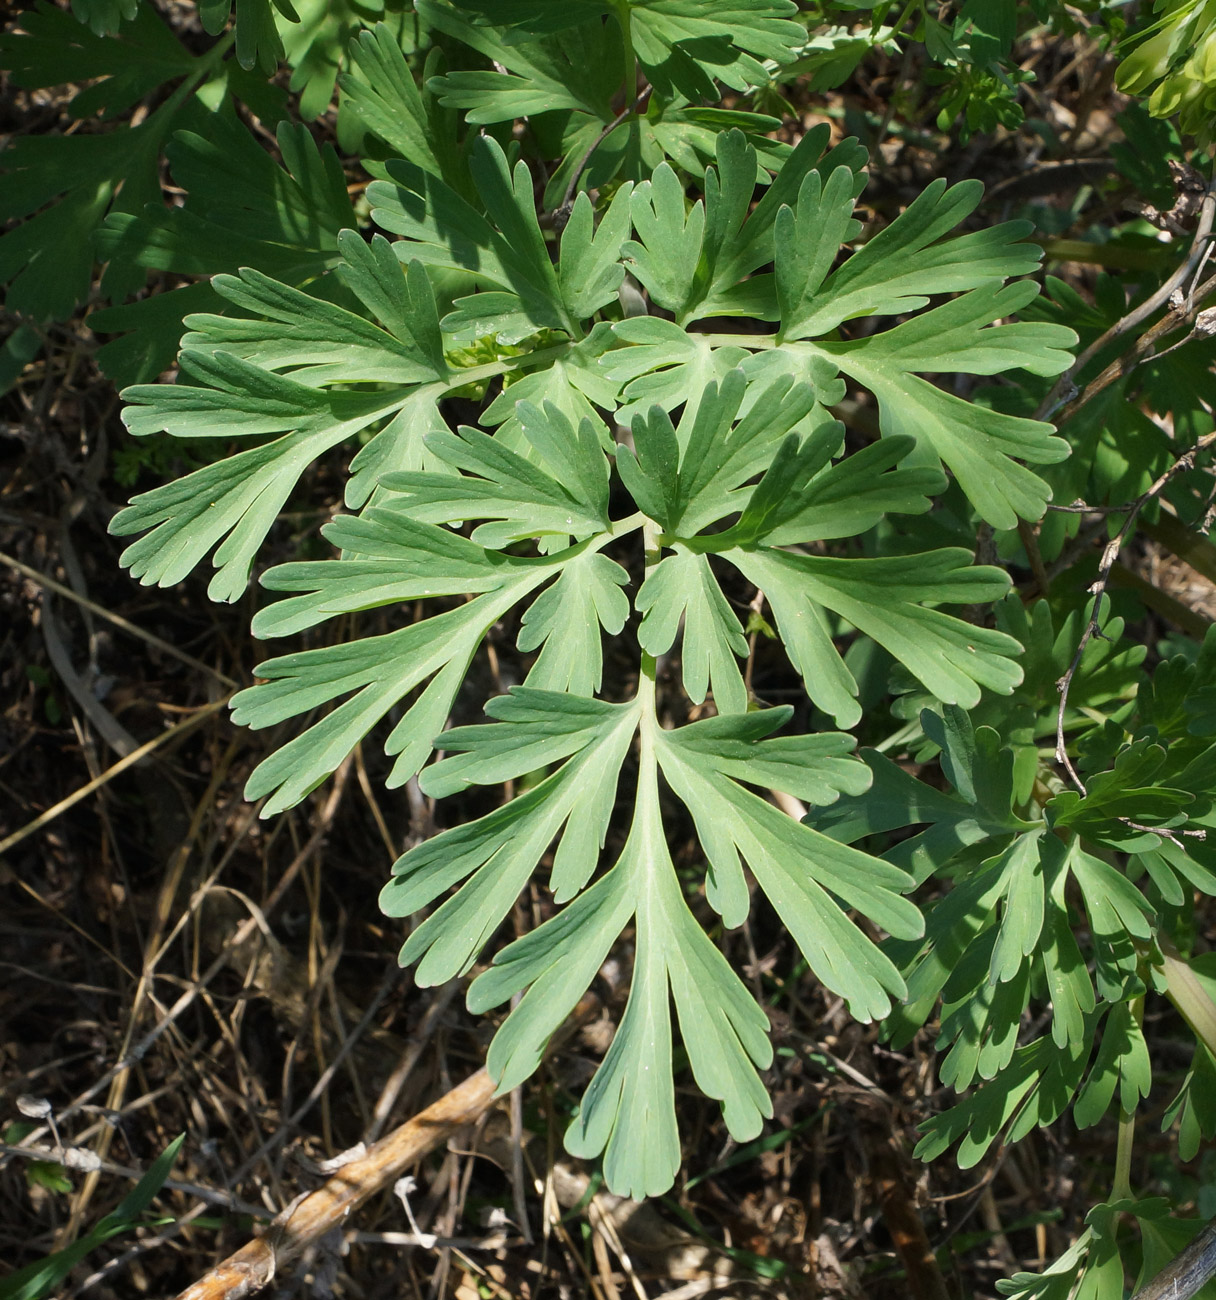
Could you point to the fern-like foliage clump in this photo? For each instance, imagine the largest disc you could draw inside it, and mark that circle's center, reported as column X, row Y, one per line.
column 615, row 363
column 632, row 472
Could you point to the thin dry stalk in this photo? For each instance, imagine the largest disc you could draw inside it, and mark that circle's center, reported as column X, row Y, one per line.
column 305, row 1221
column 292, row 1232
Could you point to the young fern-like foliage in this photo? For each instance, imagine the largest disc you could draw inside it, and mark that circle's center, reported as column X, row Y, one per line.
column 633, row 474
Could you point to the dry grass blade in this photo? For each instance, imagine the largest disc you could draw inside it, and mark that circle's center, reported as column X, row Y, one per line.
column 167, row 647
column 136, row 756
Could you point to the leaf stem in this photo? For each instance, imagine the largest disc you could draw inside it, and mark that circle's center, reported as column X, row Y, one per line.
column 205, row 65
column 624, row 17
column 648, row 675
column 505, row 365
column 1121, row 1188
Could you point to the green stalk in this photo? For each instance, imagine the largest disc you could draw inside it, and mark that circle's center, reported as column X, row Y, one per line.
column 1121, row 1188
column 624, row 18
column 651, row 532
column 756, row 342
column 206, row 64
column 504, row 366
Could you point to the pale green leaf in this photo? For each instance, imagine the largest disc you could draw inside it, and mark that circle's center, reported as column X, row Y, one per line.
column 886, row 599
column 565, row 621
column 682, row 588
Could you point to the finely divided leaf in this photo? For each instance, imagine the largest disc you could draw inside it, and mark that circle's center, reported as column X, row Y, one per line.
column 568, row 496
column 376, row 672
column 798, row 868
column 682, row 588
column 505, row 248
column 498, row 852
column 886, row 599
column 564, row 621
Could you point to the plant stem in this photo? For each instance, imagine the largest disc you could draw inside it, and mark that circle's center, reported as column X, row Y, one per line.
column 1121, row 1188
column 647, row 677
column 756, row 342
column 505, row 365
column 624, row 18
column 205, row 65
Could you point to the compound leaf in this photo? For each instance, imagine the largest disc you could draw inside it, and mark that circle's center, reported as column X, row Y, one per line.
column 565, row 621
column 242, row 209
column 682, row 588
column 505, row 247
column 376, row 672
column 885, row 598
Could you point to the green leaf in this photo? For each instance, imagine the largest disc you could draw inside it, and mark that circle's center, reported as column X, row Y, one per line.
column 43, row 1276
column 242, row 209
column 960, row 336
column 537, row 17
column 572, row 381
column 376, row 672
column 64, row 185
column 723, row 1030
column 899, row 268
column 667, row 366
column 237, row 499
column 505, row 248
column 237, row 360
column 389, row 558
column 258, row 42
column 695, row 260
column 316, row 35
column 1131, row 790
column 576, row 68
column 569, row 495
column 589, row 267
column 632, row 1091
column 1122, row 1061
column 20, row 348
column 683, row 45
column 1194, row 1107
column 690, row 477
column 1032, row 1090
column 498, row 852
column 896, row 800
column 682, row 588
column 1115, row 906
column 980, row 1018
column 104, row 17
column 565, row 621
column 802, row 498
column 380, row 92
column 885, row 599
column 798, row 868
column 319, row 343
column 977, row 445
column 1022, row 910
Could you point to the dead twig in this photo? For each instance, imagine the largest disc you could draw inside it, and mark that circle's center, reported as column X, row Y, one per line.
column 305, row 1221
column 1182, row 1277
column 238, row 937
column 174, row 733
column 1064, row 393
column 254, row 1266
column 166, row 647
